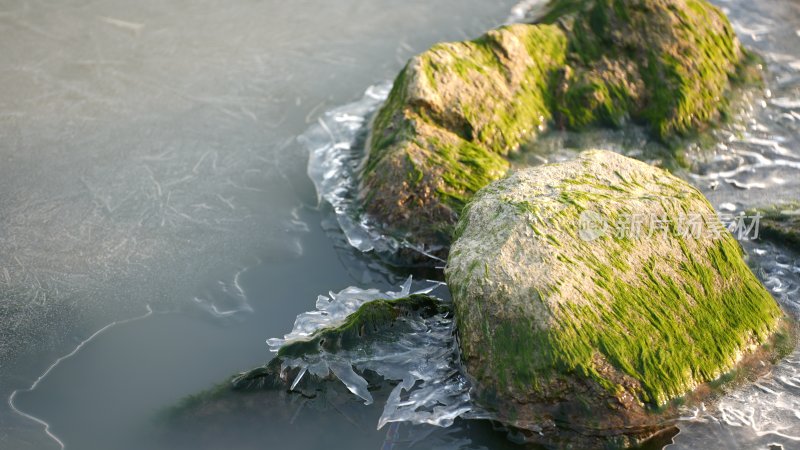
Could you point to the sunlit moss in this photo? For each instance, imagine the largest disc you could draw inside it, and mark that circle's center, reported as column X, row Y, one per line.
column 459, row 109
column 369, row 321
column 684, row 52
column 423, row 157
column 649, row 331
column 668, row 312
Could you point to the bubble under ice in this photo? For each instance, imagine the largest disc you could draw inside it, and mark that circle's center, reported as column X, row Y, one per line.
column 431, row 390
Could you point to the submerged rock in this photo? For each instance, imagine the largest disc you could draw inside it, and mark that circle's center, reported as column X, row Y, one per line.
column 780, row 223
column 574, row 320
column 456, row 111
column 223, row 417
column 398, row 350
column 290, row 372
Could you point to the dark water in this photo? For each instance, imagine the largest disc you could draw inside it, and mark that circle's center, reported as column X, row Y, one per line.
column 152, row 188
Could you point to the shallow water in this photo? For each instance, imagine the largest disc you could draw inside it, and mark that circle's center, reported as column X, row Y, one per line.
column 150, row 163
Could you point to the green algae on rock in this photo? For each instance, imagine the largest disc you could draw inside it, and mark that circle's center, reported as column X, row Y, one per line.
column 452, row 115
column 780, row 223
column 667, row 63
column 369, row 322
column 593, row 333
column 457, row 110
column 308, row 366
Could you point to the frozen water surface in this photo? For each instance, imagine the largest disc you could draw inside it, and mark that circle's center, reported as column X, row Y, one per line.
column 150, row 161
column 431, row 388
column 148, row 156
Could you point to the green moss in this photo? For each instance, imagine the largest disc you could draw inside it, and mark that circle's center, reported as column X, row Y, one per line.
column 531, row 108
column 389, row 124
column 668, row 333
column 459, row 109
column 468, row 167
column 500, row 124
column 368, row 321
column 780, row 223
column 668, row 317
column 686, row 56
column 480, row 59
column 595, row 101
column 426, row 162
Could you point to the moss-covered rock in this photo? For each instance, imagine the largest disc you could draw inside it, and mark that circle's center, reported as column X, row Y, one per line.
column 456, row 111
column 295, row 392
column 298, row 389
column 572, row 317
column 368, row 323
column 453, row 114
column 667, row 63
column 780, row 223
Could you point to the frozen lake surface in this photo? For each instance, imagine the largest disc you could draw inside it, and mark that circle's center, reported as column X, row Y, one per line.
column 157, row 224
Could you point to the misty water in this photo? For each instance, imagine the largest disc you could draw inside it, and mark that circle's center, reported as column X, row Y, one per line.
column 157, row 224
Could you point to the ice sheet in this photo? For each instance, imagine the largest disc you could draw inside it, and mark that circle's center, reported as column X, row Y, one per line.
column 432, row 388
